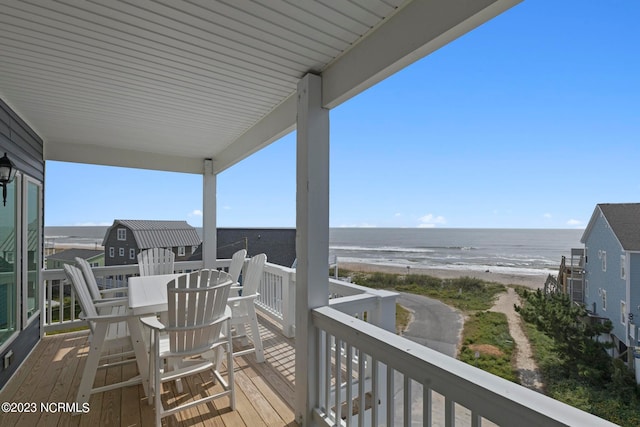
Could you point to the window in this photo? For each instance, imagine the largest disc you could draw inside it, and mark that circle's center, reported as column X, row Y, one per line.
column 603, row 294
column 132, row 253
column 8, row 269
column 181, row 251
column 623, row 273
column 604, row 260
column 31, row 253
column 623, row 312
column 122, row 234
column 121, row 251
column 112, row 252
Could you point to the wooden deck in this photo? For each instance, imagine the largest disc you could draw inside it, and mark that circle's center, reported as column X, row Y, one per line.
column 51, row 374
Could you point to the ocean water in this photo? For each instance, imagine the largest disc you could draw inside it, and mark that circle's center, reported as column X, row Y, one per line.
column 521, row 251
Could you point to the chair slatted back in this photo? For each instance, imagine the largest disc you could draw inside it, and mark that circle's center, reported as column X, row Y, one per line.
column 82, row 292
column 90, row 278
column 237, row 262
column 156, row 261
column 255, row 268
column 196, row 303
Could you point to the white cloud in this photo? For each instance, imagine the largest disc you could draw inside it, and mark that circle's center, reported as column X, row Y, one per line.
column 226, row 208
column 196, row 212
column 547, row 215
column 398, row 214
column 430, row 221
column 574, row 222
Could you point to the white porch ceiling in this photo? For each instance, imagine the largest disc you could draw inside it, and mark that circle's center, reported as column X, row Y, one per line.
column 165, row 84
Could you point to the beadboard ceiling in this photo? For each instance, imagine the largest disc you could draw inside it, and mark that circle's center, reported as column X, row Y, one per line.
column 165, row 84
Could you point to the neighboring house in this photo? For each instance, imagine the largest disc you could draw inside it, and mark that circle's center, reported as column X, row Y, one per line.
column 612, row 269
column 56, row 261
column 279, row 244
column 126, row 238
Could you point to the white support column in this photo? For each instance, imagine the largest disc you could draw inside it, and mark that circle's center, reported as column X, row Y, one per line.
column 209, row 213
column 312, row 238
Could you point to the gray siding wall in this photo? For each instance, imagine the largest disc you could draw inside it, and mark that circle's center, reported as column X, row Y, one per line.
column 602, row 243
column 22, row 145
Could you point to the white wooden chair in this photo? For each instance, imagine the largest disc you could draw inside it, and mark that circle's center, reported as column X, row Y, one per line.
column 92, row 284
column 110, row 326
column 156, row 261
column 190, row 343
column 237, row 262
column 244, row 310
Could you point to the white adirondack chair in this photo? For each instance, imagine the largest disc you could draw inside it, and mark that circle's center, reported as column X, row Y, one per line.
column 156, row 261
column 109, row 323
column 244, row 310
column 237, row 262
column 190, row 342
column 92, row 284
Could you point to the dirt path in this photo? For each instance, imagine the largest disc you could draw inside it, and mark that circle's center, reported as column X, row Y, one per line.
column 526, row 366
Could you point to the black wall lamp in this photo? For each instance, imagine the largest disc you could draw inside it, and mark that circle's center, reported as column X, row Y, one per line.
column 7, row 173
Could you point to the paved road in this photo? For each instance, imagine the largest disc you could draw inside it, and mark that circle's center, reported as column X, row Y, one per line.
column 439, row 327
column 435, row 325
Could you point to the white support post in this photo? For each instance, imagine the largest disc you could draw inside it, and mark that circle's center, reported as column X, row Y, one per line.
column 210, row 232
column 312, row 238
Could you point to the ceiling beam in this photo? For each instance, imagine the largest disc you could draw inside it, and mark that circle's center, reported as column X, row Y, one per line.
column 100, row 155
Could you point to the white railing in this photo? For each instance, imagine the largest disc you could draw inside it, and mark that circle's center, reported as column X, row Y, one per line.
column 409, row 383
column 277, row 299
column 59, row 306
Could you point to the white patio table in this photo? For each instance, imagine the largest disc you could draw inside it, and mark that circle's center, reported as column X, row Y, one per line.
column 147, row 296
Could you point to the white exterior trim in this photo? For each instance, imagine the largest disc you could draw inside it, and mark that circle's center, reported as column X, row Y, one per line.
column 312, row 238
column 209, row 215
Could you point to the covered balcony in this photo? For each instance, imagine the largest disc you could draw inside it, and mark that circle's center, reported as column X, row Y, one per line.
column 196, row 87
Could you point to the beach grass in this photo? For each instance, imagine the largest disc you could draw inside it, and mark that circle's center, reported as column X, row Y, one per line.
column 403, row 317
column 487, row 344
column 464, row 293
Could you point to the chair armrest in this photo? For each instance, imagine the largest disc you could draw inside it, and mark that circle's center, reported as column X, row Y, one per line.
column 152, row 322
column 108, row 318
column 112, row 302
column 243, row 298
column 114, row 290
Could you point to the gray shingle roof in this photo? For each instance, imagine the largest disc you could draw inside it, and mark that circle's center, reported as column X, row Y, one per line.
column 159, row 234
column 624, row 219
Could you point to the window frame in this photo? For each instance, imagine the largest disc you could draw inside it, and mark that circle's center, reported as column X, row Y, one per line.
column 181, row 251
column 132, row 253
column 623, row 312
column 112, row 252
column 121, row 234
column 120, row 252
column 623, row 266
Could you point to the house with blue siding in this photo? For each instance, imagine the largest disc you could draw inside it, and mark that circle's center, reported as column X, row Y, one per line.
column 612, row 269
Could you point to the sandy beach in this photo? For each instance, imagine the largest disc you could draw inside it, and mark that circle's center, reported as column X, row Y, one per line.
column 532, row 281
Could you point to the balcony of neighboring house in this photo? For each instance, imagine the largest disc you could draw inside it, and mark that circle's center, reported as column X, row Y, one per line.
column 359, row 360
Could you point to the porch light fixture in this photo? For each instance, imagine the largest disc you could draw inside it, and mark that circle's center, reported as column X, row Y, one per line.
column 7, row 173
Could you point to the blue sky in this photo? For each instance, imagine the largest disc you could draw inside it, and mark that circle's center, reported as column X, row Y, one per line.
column 526, row 122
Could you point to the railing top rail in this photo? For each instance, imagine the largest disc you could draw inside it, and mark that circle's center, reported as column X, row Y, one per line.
column 490, row 396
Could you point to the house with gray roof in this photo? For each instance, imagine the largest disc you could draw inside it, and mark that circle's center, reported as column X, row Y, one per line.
column 94, row 257
column 612, row 269
column 126, row 238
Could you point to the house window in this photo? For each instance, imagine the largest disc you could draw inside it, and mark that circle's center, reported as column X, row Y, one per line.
column 112, row 252
column 180, row 250
column 121, row 251
column 604, row 300
column 623, row 272
column 623, row 312
column 604, row 260
column 132, row 253
column 122, row 234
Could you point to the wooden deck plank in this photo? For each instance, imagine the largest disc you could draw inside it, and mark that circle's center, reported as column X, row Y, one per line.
column 54, row 370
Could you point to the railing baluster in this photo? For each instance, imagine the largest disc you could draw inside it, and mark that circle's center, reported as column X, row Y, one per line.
column 338, row 381
column 349, row 363
column 361, row 391
column 390, row 396
column 427, row 404
column 327, row 372
column 406, row 407
column 449, row 412
column 374, row 392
